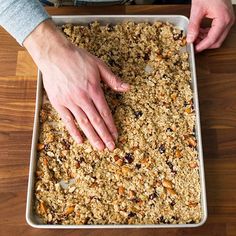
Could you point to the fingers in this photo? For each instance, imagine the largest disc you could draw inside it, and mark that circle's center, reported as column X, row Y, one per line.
column 104, row 110
column 87, row 127
column 110, row 79
column 69, row 122
column 98, row 123
column 213, row 35
column 196, row 16
column 221, row 39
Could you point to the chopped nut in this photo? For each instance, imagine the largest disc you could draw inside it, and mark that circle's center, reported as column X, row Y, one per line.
column 132, row 194
column 193, row 164
column 72, row 189
column 171, row 191
column 167, row 183
column 125, row 170
column 49, row 138
column 119, row 162
column 40, row 146
column 39, row 173
column 192, row 142
column 192, row 204
column 50, row 154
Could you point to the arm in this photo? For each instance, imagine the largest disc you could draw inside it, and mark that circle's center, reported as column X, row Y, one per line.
column 222, row 15
column 71, row 77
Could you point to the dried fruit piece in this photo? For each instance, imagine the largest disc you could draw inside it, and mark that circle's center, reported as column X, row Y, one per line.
column 45, row 161
column 131, row 214
column 152, row 196
column 42, row 208
column 138, row 114
column 178, row 154
column 188, row 110
column 40, row 146
column 167, row 183
column 121, row 190
column 128, row 158
column 138, row 166
column 162, row 149
column 69, row 210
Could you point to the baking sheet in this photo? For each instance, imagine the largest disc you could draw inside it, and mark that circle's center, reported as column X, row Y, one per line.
column 179, row 21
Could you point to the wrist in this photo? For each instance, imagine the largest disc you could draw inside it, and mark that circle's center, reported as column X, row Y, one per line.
column 45, row 41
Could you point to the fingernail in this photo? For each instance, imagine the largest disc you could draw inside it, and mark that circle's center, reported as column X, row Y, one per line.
column 99, row 145
column 190, row 38
column 115, row 135
column 110, row 145
column 125, row 86
column 78, row 139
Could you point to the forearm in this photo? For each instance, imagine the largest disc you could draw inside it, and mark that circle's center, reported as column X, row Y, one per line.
column 21, row 17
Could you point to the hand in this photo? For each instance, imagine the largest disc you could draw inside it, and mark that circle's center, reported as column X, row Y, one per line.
column 222, row 15
column 71, row 77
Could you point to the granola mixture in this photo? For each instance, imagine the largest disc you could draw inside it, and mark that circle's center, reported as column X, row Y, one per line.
column 152, row 177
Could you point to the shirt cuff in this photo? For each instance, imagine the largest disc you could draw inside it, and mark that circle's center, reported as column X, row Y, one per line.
column 21, row 17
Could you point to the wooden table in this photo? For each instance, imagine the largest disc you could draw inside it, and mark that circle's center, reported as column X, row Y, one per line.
column 216, row 72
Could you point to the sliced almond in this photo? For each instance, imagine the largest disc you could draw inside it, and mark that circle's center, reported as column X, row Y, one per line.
column 167, row 183
column 171, row 192
column 193, row 164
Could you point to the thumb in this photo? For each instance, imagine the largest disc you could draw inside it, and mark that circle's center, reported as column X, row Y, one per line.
column 196, row 17
column 110, row 79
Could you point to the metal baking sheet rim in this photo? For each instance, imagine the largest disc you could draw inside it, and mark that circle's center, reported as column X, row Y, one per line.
column 178, row 20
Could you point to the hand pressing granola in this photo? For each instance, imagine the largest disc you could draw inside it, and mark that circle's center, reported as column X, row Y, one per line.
column 71, row 77
column 222, row 15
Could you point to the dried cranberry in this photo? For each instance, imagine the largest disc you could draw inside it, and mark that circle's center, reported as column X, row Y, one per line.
column 138, row 114
column 138, row 166
column 153, row 196
column 131, row 214
column 128, row 158
column 162, row 149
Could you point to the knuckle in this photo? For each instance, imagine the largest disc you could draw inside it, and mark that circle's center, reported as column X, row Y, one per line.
column 97, row 120
column 105, row 113
column 83, row 121
column 227, row 19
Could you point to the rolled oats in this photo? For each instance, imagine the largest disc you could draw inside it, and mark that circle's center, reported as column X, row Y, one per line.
column 152, row 177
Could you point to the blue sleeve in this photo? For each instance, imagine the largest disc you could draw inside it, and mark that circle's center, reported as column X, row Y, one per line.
column 21, row 17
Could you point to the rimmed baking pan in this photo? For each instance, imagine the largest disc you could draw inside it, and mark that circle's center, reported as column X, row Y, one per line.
column 177, row 20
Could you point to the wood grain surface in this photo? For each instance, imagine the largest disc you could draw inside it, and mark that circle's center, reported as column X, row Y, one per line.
column 216, row 72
